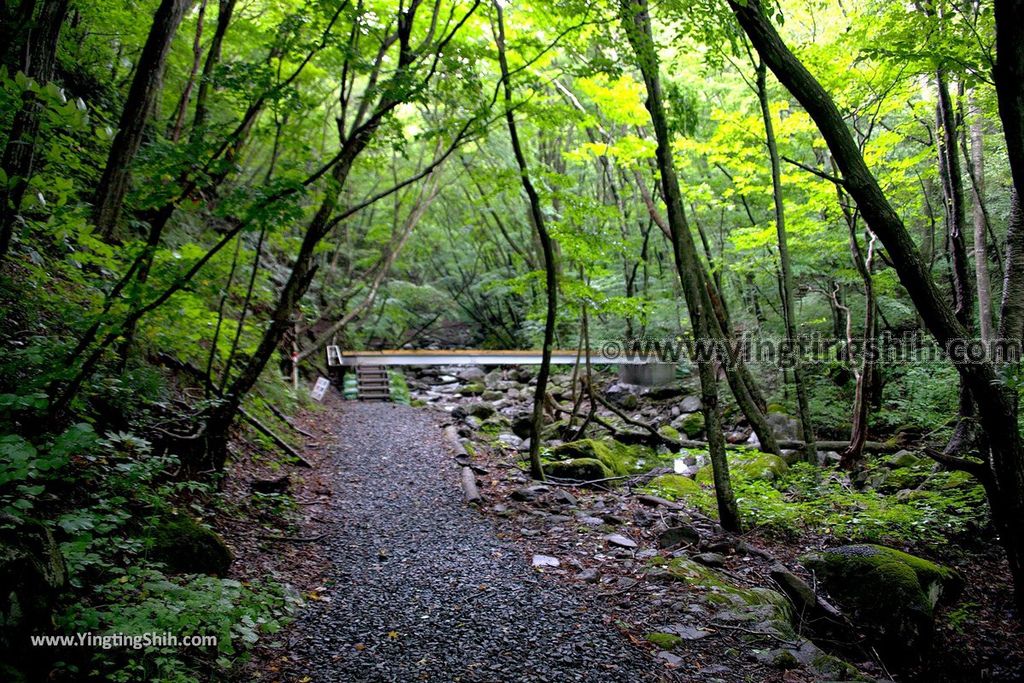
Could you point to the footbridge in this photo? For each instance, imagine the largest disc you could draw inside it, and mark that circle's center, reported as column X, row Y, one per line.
column 337, row 358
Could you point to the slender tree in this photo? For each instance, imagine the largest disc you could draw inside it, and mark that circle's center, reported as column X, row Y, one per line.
column 788, row 306
column 636, row 23
column 547, row 253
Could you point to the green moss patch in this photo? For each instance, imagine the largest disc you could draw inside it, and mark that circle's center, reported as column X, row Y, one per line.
column 750, row 465
column 578, row 469
column 622, row 459
column 675, row 487
column 666, row 641
column 692, row 425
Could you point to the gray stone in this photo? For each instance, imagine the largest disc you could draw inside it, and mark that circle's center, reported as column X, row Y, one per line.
column 669, row 658
column 545, row 561
column 482, row 410
column 473, row 373
column 563, row 497
column 620, row 541
column 589, row 576
column 783, row 426
column 690, row 404
column 686, row 632
column 510, row 439
column 710, row 559
column 679, row 535
column 529, row 493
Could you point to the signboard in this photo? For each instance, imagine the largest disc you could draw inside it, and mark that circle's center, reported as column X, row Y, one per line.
column 320, row 388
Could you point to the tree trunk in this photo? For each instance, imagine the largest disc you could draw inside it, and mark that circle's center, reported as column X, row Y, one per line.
column 865, row 376
column 186, row 94
column 39, row 58
column 547, row 253
column 1011, row 318
column 803, row 404
column 142, row 97
column 997, row 405
column 637, row 25
column 956, row 224
column 225, row 10
column 981, row 275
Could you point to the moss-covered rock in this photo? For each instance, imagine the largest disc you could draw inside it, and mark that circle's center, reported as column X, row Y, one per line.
column 183, row 544
column 692, row 425
column 888, row 592
column 555, row 430
column 483, row 410
column 669, row 431
column 736, row 603
column 750, row 465
column 578, row 469
column 666, row 641
column 766, row 616
column 473, row 389
column 622, row 459
column 674, row 487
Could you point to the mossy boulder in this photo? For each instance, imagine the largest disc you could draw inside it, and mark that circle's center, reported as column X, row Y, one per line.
column 555, row 430
column 674, row 487
column 692, row 425
column 770, row 609
column 578, row 469
column 751, row 465
column 622, row 459
column 482, row 410
column 473, row 389
column 669, row 431
column 185, row 545
column 889, row 593
column 904, row 458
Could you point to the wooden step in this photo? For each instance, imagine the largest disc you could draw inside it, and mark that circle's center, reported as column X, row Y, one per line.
column 372, row 383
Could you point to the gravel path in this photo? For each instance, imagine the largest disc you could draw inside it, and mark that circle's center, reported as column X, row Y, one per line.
column 425, row 591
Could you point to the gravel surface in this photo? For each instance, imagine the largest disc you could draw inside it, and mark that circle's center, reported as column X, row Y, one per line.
column 423, row 588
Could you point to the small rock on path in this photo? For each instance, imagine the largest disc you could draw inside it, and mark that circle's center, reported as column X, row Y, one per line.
column 423, row 588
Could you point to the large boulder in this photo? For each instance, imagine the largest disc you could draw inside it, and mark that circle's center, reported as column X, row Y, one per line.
column 691, row 424
column 674, row 487
column 482, row 410
column 185, row 545
column 473, row 373
column 888, row 593
column 751, row 465
column 578, row 469
column 620, row 458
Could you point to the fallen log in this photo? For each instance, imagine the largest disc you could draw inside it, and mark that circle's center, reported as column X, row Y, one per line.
column 469, row 487
column 284, row 418
column 270, row 434
column 869, row 446
column 451, row 435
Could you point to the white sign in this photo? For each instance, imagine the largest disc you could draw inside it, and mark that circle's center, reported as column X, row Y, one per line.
column 320, row 388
